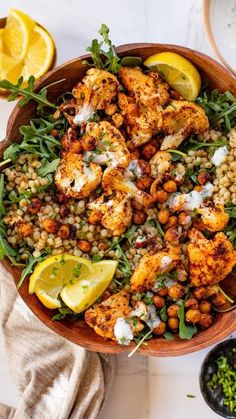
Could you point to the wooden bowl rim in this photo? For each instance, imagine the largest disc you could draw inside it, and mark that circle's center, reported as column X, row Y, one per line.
column 92, row 341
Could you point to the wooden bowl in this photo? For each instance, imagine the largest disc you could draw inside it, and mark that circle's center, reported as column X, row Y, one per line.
column 78, row 332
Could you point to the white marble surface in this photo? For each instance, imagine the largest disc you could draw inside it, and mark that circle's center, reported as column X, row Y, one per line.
column 144, row 388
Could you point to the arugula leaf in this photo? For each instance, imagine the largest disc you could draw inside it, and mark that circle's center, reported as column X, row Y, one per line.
column 2, row 192
column 29, row 267
column 219, row 106
column 6, row 249
column 185, row 331
column 27, row 93
column 192, row 144
column 65, row 312
column 131, row 61
column 168, row 336
column 48, row 167
column 111, row 62
column 163, row 314
column 230, row 229
column 37, row 139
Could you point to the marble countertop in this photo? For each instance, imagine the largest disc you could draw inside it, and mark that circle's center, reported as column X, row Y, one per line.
column 144, row 388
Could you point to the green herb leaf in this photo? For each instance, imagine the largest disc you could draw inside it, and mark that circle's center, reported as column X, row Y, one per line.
column 29, row 267
column 219, row 107
column 2, row 192
column 7, row 250
column 185, row 331
column 168, row 336
column 96, row 258
column 104, row 59
column 27, row 93
column 163, row 314
column 48, row 167
column 131, row 61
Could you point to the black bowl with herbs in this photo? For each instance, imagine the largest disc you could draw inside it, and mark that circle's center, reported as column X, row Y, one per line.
column 218, row 379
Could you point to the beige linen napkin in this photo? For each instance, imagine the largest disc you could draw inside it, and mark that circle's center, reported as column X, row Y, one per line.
column 56, row 379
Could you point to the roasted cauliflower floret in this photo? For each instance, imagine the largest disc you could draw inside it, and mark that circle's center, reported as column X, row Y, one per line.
column 98, row 88
column 210, row 261
column 214, row 218
column 76, row 178
column 119, row 179
column 143, row 115
column 160, row 163
column 110, row 148
column 181, row 119
column 148, row 90
column 116, row 212
column 102, row 318
column 150, row 266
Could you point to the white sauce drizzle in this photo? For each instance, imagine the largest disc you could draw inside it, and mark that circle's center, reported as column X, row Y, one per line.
column 219, row 156
column 123, row 332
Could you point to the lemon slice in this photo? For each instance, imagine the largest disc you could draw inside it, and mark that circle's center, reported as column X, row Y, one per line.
column 179, row 72
column 40, row 55
column 17, row 34
column 1, row 39
column 82, row 294
column 10, row 69
column 51, row 275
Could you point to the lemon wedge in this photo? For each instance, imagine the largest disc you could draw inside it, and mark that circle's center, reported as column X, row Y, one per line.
column 10, row 69
column 40, row 55
column 51, row 275
column 17, row 34
column 1, row 39
column 179, row 72
column 85, row 291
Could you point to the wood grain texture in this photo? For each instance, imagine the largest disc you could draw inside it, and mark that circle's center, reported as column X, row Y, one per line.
column 78, row 332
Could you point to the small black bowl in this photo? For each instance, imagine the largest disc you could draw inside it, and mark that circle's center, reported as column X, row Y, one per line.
column 214, row 398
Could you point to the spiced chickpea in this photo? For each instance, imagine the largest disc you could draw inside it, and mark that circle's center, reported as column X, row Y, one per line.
column 173, row 323
column 163, row 216
column 148, row 151
column 34, row 206
column 200, row 292
column 211, row 291
column 191, row 303
column 218, row 300
column 206, row 320
column 111, row 109
column 55, row 133
column 172, row 310
column 160, row 329
column 26, row 229
column 193, row 316
column 204, row 177
column 144, row 182
column 95, row 217
column 64, row 210
column 170, row 186
column 158, row 301
column 171, row 235
column 184, row 219
column 205, row 306
column 117, row 119
column 50, row 225
column 88, row 142
column 172, row 222
column 84, row 246
column 134, row 154
column 64, row 231
column 61, row 197
column 176, row 292
column 161, row 196
column 139, row 217
column 163, row 292
column 145, row 167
